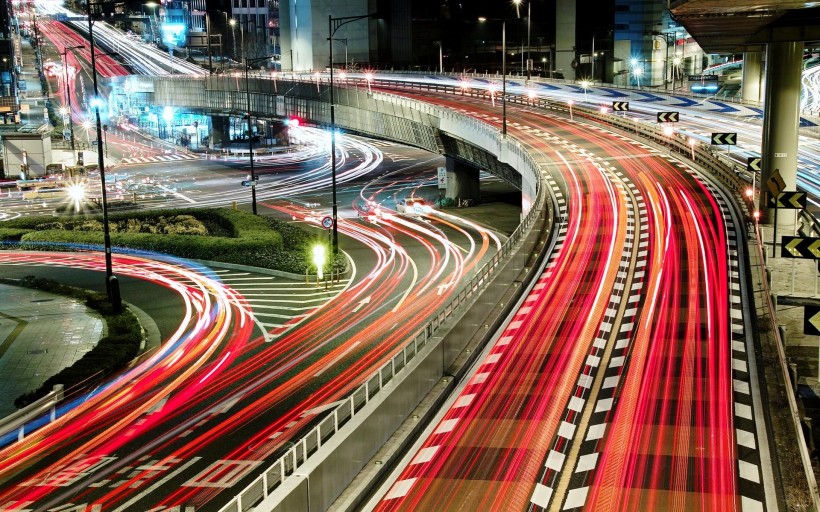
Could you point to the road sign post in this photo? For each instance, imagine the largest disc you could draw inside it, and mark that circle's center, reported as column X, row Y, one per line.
column 724, row 138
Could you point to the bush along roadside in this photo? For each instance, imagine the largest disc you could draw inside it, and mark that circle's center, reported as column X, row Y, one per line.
column 220, row 235
column 109, row 355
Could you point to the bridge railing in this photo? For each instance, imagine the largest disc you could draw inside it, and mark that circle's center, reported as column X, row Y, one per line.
column 313, row 440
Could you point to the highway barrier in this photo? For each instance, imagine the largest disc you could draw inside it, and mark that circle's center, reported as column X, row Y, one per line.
column 47, row 405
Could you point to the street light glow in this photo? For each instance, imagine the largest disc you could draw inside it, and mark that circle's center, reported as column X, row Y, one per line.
column 668, row 131
column 585, row 84
column 319, row 260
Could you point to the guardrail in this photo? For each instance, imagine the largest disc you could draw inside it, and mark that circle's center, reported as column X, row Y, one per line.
column 298, row 454
column 18, row 419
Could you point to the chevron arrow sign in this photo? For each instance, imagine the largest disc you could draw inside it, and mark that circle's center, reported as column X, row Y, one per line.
column 796, row 247
column 788, row 200
column 620, row 106
column 719, row 139
column 668, row 117
column 811, row 320
column 753, row 164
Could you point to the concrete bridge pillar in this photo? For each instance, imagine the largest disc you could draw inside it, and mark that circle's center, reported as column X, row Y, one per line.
column 462, row 182
column 752, row 76
column 781, row 119
column 220, row 131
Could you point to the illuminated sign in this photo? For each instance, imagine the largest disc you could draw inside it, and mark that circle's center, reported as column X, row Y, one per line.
column 173, row 34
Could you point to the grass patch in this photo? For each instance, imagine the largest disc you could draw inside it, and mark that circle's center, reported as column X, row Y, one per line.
column 111, row 353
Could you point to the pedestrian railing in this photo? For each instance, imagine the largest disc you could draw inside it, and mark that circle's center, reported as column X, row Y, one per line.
column 310, row 443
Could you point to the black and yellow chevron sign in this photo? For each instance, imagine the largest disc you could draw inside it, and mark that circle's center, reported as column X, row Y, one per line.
column 788, row 200
column 811, row 320
column 719, row 139
column 753, row 164
column 668, row 117
column 620, row 106
column 800, row 247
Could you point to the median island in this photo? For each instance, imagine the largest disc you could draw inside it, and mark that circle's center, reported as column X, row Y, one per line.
column 217, row 235
column 220, row 235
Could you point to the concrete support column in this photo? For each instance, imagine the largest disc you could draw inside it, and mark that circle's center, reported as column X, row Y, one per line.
column 462, row 182
column 565, row 37
column 220, row 131
column 781, row 119
column 752, row 75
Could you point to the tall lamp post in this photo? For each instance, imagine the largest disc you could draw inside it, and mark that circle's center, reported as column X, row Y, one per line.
column 248, row 63
column 64, row 53
column 112, row 286
column 343, row 40
column 333, row 24
column 529, row 12
column 503, row 69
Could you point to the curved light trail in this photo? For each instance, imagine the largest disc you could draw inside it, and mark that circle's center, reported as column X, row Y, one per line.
column 612, row 386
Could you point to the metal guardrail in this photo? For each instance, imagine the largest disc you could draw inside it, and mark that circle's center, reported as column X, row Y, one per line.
column 298, row 454
column 17, row 420
column 782, row 362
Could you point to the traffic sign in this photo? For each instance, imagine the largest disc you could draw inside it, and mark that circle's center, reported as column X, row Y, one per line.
column 668, row 117
column 753, row 164
column 327, row 222
column 702, row 78
column 249, row 183
column 775, row 183
column 811, row 320
column 799, row 247
column 720, row 138
column 442, row 178
column 788, row 200
column 620, row 106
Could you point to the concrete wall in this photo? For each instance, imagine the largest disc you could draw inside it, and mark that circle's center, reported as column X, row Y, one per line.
column 33, row 148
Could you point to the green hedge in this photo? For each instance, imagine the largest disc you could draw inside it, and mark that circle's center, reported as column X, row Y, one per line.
column 111, row 353
column 232, row 236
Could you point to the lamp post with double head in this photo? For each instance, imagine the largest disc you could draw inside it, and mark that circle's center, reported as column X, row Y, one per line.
column 529, row 16
column 112, row 287
column 334, row 24
column 503, row 69
column 64, row 53
column 248, row 63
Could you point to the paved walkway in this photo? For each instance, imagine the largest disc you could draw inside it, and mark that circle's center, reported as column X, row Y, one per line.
column 40, row 334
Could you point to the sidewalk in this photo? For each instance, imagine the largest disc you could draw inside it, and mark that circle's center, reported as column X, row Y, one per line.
column 40, row 334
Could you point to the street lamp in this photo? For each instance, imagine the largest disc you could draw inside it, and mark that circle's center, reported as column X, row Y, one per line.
column 529, row 7
column 638, row 72
column 248, row 63
column 503, row 69
column 112, row 286
column 342, row 40
column 242, row 40
column 334, row 24
column 64, row 53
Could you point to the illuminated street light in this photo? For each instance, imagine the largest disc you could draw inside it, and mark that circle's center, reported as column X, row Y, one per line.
column 503, row 70
column 64, row 54
column 668, row 131
column 76, row 193
column 319, row 261
column 112, row 286
column 334, row 24
column 692, row 143
column 368, row 78
column 570, row 103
